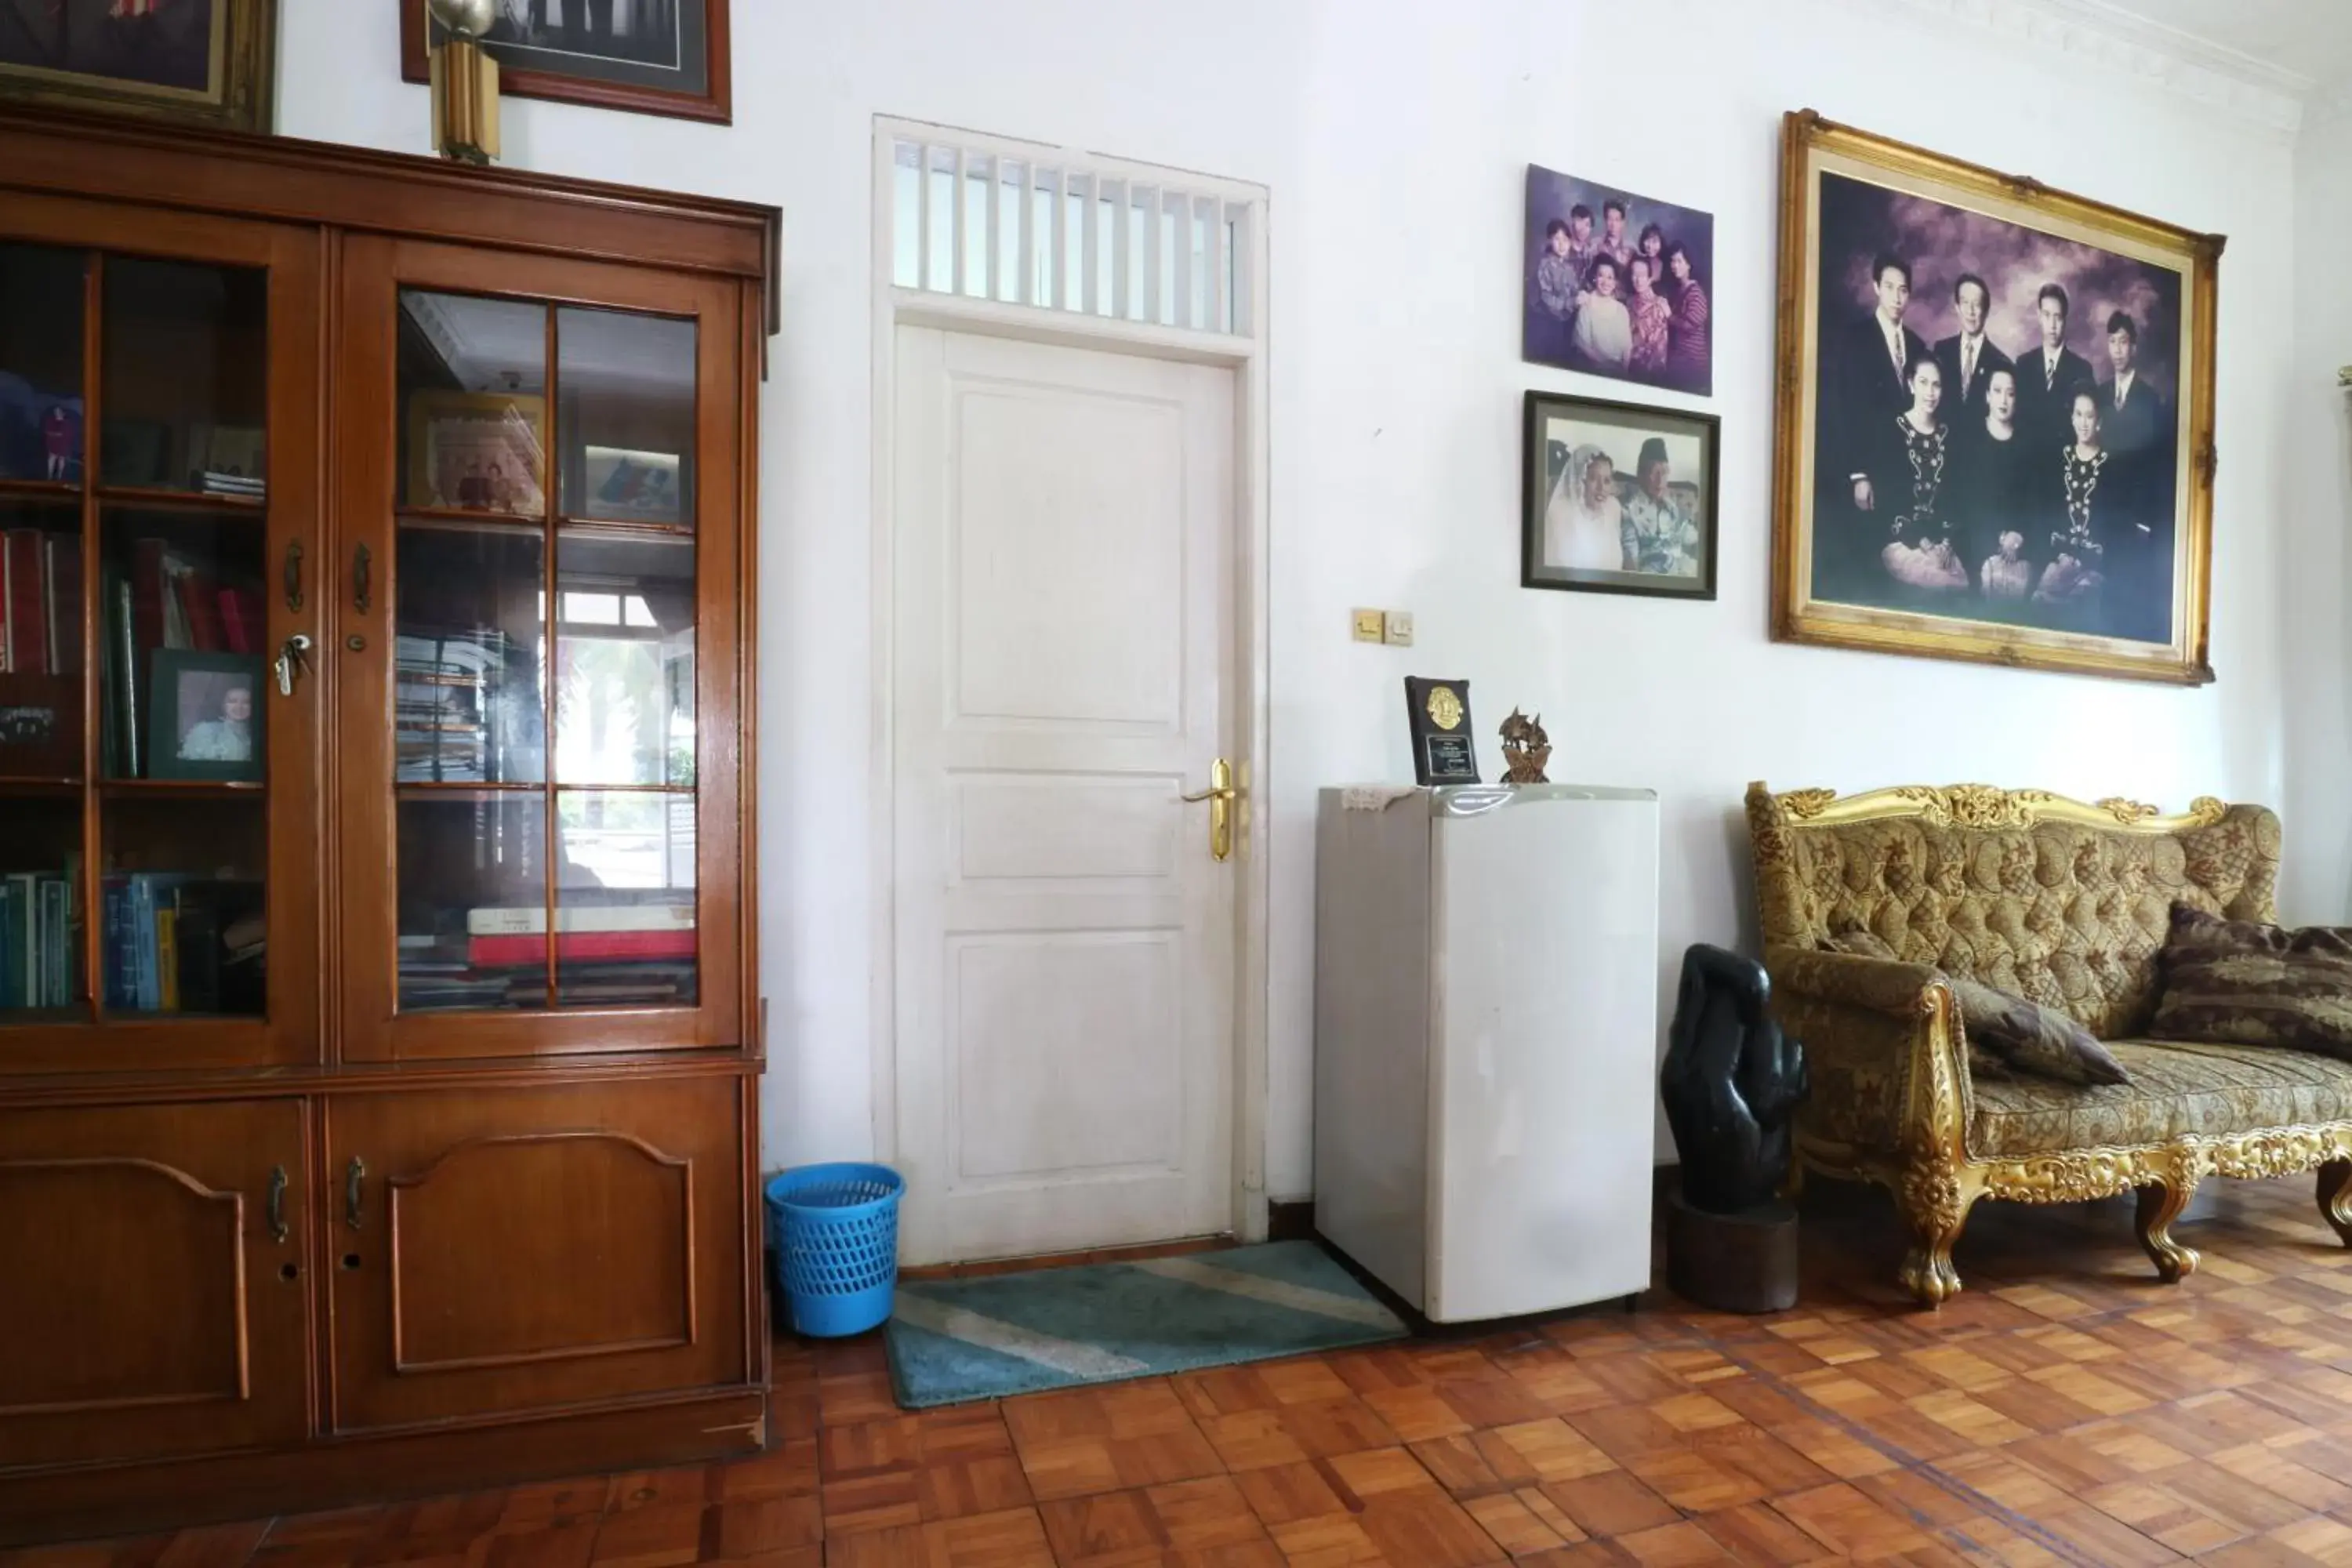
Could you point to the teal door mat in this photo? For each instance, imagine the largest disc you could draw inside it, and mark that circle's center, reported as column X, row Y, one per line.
column 956, row 1340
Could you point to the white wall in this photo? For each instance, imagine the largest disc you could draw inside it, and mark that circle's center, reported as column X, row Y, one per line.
column 2317, row 886
column 1394, row 137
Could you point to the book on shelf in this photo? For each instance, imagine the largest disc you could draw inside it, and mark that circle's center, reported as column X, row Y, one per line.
column 669, row 914
column 454, row 718
column 573, row 946
column 26, row 599
column 40, row 937
column 164, row 599
column 171, row 943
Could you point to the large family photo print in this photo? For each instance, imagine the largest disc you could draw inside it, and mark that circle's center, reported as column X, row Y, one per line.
column 1995, row 400
column 1618, row 284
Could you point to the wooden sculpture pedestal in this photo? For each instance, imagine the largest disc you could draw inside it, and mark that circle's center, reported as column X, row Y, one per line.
column 1743, row 1262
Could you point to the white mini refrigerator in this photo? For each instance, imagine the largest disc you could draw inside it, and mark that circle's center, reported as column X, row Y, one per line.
column 1486, row 1041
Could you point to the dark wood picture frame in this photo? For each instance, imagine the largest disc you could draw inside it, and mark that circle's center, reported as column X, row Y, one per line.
column 1536, row 485
column 242, row 95
column 715, row 104
column 1815, row 152
column 163, row 716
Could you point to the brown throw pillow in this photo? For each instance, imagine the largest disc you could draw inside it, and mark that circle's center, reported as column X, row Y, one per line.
column 2035, row 1039
column 2008, row 1033
column 2246, row 984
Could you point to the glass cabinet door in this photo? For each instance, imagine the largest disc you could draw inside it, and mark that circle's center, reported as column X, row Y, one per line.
column 158, row 785
column 550, row 584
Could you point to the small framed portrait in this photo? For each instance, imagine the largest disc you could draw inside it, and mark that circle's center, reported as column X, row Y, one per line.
column 1996, row 416
column 631, row 486
column 1618, row 285
column 205, row 716
column 476, row 452
column 1618, row 499
column 655, row 56
column 203, row 62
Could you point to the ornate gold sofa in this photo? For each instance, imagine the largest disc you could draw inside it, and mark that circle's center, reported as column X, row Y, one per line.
column 2067, row 904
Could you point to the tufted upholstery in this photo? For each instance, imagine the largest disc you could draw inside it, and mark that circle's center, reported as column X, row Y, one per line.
column 2178, row 1089
column 2069, row 915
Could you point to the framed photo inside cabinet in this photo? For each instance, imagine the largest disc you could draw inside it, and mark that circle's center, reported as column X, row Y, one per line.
column 476, row 452
column 1617, row 498
column 653, row 57
column 206, row 62
column 205, row 716
column 1996, row 416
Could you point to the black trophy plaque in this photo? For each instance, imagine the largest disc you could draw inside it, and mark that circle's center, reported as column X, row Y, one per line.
column 1439, row 712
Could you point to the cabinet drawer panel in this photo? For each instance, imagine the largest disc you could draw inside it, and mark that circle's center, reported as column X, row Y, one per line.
column 523, row 1249
column 476, row 1236
column 152, row 1308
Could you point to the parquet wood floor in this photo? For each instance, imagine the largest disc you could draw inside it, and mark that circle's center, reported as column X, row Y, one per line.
column 2067, row 1408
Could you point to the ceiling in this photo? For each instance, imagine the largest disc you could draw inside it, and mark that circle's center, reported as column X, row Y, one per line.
column 2301, row 47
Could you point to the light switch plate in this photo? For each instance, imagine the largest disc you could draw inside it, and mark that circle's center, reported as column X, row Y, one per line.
column 1370, row 625
column 1400, row 629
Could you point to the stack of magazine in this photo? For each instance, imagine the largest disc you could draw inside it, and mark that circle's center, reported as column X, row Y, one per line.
column 456, row 716
column 617, row 951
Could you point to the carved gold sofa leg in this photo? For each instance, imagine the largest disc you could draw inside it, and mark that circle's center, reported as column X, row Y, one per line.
column 2335, row 1197
column 2159, row 1205
column 1935, row 1201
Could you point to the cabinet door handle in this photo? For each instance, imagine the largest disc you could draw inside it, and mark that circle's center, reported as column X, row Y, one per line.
column 293, row 574
column 362, row 570
column 278, row 1230
column 353, row 1173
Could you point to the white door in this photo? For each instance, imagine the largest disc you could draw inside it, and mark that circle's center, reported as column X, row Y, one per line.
column 1062, row 650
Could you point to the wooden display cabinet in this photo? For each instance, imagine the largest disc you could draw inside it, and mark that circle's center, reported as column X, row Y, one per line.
column 378, row 1051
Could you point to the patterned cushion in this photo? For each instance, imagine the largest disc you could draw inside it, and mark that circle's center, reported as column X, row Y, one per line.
column 2178, row 1089
column 2062, row 914
column 2255, row 984
column 2006, row 1031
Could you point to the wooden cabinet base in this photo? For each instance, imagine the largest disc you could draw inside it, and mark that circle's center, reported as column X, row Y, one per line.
column 115, row 1500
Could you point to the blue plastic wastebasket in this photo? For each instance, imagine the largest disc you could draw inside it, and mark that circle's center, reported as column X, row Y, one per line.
column 835, row 1230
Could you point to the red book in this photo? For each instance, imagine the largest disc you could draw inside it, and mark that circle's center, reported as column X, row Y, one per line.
column 240, row 619
column 29, row 608
column 200, row 607
column 578, row 946
column 65, row 605
column 147, row 590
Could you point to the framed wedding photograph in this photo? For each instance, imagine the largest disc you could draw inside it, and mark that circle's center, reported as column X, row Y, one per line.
column 476, row 452
column 1616, row 284
column 652, row 57
column 201, row 62
column 1995, row 432
column 205, row 716
column 1618, row 499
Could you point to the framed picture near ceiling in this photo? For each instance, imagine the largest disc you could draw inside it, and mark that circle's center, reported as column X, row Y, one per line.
column 1617, row 285
column 202, row 62
column 655, row 56
column 1996, row 416
column 1618, row 499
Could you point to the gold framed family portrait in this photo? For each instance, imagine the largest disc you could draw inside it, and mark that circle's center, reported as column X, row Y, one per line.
column 1995, row 436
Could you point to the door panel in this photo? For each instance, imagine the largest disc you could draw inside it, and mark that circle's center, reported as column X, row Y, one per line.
column 163, row 825
column 526, row 1248
column 153, row 1307
column 538, row 632
column 1063, row 943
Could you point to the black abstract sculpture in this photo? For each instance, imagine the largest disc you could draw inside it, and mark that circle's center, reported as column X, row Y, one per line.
column 1731, row 1083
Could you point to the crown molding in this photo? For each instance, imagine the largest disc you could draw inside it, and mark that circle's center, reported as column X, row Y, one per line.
column 2123, row 43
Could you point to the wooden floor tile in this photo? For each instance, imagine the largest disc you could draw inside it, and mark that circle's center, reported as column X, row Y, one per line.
column 2066, row 1409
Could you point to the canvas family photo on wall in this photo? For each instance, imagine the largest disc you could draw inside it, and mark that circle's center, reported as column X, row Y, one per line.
column 1618, row 499
column 1995, row 403
column 1617, row 284
column 201, row 61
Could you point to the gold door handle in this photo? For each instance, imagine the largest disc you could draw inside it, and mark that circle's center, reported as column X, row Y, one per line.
column 1221, row 795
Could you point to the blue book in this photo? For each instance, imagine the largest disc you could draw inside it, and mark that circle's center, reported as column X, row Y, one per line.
column 12, row 935
column 147, row 993
column 121, row 990
column 57, row 910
